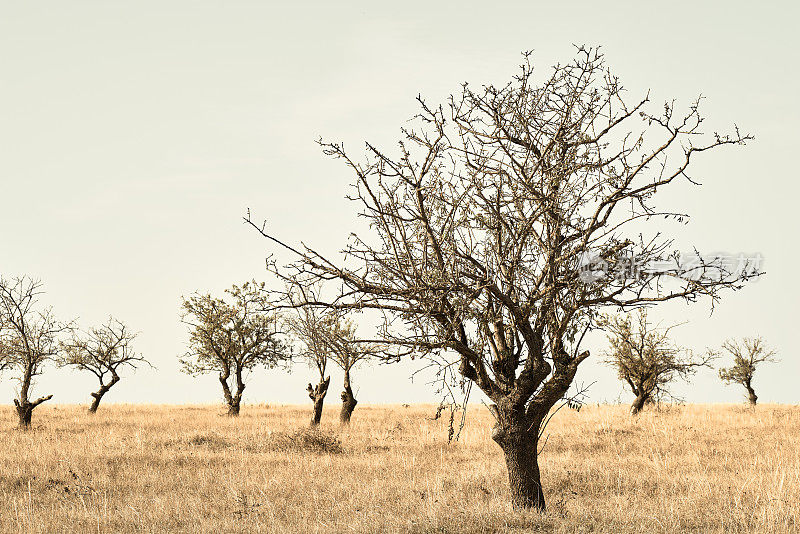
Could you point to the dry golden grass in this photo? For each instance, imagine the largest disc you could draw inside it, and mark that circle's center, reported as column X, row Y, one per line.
column 188, row 469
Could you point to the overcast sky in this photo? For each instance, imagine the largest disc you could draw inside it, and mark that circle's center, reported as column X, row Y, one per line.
column 134, row 136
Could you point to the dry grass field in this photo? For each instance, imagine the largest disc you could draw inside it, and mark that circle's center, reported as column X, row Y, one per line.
column 189, row 469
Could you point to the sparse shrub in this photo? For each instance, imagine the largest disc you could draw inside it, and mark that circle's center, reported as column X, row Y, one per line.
column 308, row 440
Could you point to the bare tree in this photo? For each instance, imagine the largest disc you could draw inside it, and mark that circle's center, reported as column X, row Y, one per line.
column 311, row 330
column 232, row 338
column 327, row 336
column 645, row 358
column 347, row 350
column 29, row 341
column 102, row 351
column 747, row 356
column 504, row 223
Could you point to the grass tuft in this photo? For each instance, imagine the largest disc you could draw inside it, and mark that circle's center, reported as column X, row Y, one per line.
column 310, row 440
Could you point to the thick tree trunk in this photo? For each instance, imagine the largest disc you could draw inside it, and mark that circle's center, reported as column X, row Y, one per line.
column 523, row 473
column 316, row 418
column 25, row 410
column 751, row 395
column 96, row 401
column 317, row 394
column 638, row 404
column 233, row 401
column 348, row 405
column 518, row 437
column 348, row 400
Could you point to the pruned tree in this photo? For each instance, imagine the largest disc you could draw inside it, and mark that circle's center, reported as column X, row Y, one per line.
column 232, row 337
column 102, row 351
column 327, row 336
column 347, row 350
column 29, row 341
column 747, row 356
column 645, row 357
column 310, row 328
column 504, row 223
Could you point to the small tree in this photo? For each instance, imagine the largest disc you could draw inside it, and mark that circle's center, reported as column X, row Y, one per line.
column 645, row 358
column 102, row 351
column 29, row 340
column 347, row 351
column 232, row 337
column 311, row 330
column 747, row 356
column 480, row 222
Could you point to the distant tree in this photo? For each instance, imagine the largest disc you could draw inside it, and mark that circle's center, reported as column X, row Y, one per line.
column 645, row 358
column 347, row 351
column 747, row 356
column 311, row 329
column 485, row 222
column 325, row 335
column 29, row 340
column 102, row 351
column 232, row 338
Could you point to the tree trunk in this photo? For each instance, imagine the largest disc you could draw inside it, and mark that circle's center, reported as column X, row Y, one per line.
column 751, row 395
column 638, row 404
column 518, row 437
column 25, row 410
column 348, row 400
column 523, row 473
column 317, row 394
column 233, row 401
column 95, row 401
column 97, row 395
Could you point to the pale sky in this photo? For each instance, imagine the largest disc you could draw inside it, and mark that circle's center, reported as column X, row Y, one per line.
column 133, row 137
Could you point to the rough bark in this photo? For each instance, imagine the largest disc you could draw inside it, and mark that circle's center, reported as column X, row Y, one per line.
column 25, row 410
column 233, row 401
column 638, row 404
column 317, row 394
column 98, row 395
column 518, row 436
column 348, row 400
column 233, row 408
column 523, row 473
column 751, row 395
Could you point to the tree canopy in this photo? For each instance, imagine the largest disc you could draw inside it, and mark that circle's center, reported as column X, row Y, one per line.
column 231, row 337
column 504, row 222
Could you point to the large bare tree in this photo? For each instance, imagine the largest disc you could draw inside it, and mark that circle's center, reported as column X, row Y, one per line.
column 747, row 356
column 232, row 337
column 645, row 357
column 503, row 222
column 29, row 341
column 102, row 351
